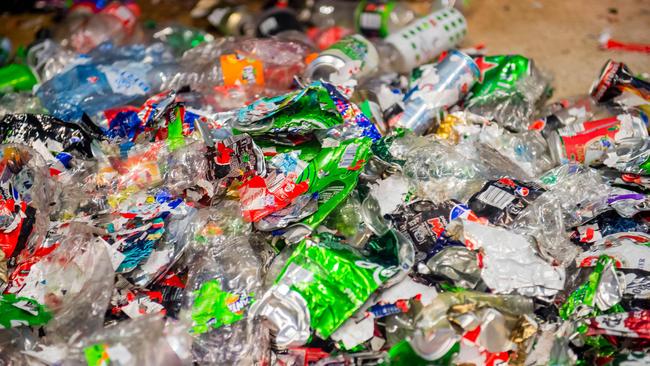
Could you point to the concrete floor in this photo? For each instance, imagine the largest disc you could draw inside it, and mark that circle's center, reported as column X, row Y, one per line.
column 560, row 35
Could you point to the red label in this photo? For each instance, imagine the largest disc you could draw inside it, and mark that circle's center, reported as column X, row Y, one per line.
column 598, row 135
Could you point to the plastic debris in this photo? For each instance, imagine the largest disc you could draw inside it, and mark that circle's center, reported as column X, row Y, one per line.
column 320, row 183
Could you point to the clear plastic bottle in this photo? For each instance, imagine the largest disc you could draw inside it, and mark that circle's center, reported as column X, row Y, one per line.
column 86, row 30
column 110, row 79
column 266, row 63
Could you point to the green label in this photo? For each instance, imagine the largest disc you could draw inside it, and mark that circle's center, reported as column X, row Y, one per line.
column 333, row 174
column 96, row 355
column 336, row 280
column 499, row 75
column 354, row 47
column 21, row 311
column 214, row 308
column 372, row 17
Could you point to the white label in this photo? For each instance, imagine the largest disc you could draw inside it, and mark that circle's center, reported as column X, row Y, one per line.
column 370, row 20
column 496, row 197
column 296, row 274
column 26, row 306
column 119, row 354
column 428, row 37
column 127, row 79
column 140, row 307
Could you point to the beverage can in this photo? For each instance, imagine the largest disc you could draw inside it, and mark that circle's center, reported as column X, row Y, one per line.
column 589, row 141
column 347, row 52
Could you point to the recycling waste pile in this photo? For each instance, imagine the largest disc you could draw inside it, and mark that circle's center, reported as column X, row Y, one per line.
column 298, row 187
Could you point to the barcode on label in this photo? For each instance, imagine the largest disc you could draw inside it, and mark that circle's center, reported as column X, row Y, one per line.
column 348, row 156
column 370, row 20
column 496, row 197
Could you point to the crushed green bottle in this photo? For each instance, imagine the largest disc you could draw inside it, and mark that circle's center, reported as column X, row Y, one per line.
column 333, row 174
column 21, row 311
column 214, row 308
column 333, row 279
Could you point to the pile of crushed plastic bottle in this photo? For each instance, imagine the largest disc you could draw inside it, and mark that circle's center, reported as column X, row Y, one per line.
column 356, row 193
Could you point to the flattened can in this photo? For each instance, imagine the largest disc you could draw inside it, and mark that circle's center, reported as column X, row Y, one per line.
column 589, row 141
column 440, row 86
column 427, row 37
column 344, row 53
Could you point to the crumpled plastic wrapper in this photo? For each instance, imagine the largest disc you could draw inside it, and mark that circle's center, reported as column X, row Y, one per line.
column 509, row 262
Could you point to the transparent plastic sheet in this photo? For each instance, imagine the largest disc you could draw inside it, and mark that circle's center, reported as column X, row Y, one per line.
column 148, row 340
column 514, row 109
column 27, row 196
column 544, row 221
column 48, row 59
column 630, row 156
column 12, row 344
column 11, row 103
column 579, row 190
column 75, row 281
column 510, row 262
column 122, row 173
column 527, row 152
column 439, row 172
column 225, row 279
column 190, row 161
column 280, row 61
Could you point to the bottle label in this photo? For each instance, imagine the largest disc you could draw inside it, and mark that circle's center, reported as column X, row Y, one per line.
column 123, row 13
column 127, row 78
column 427, row 37
column 373, row 16
column 354, row 48
column 239, row 70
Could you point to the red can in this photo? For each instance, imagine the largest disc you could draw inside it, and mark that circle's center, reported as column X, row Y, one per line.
column 588, row 142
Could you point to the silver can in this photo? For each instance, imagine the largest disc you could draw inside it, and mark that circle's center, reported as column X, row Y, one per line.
column 440, row 86
column 351, row 50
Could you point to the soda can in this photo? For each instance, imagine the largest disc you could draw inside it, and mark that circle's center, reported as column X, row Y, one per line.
column 427, row 37
column 344, row 53
column 588, row 142
column 441, row 86
column 615, row 78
